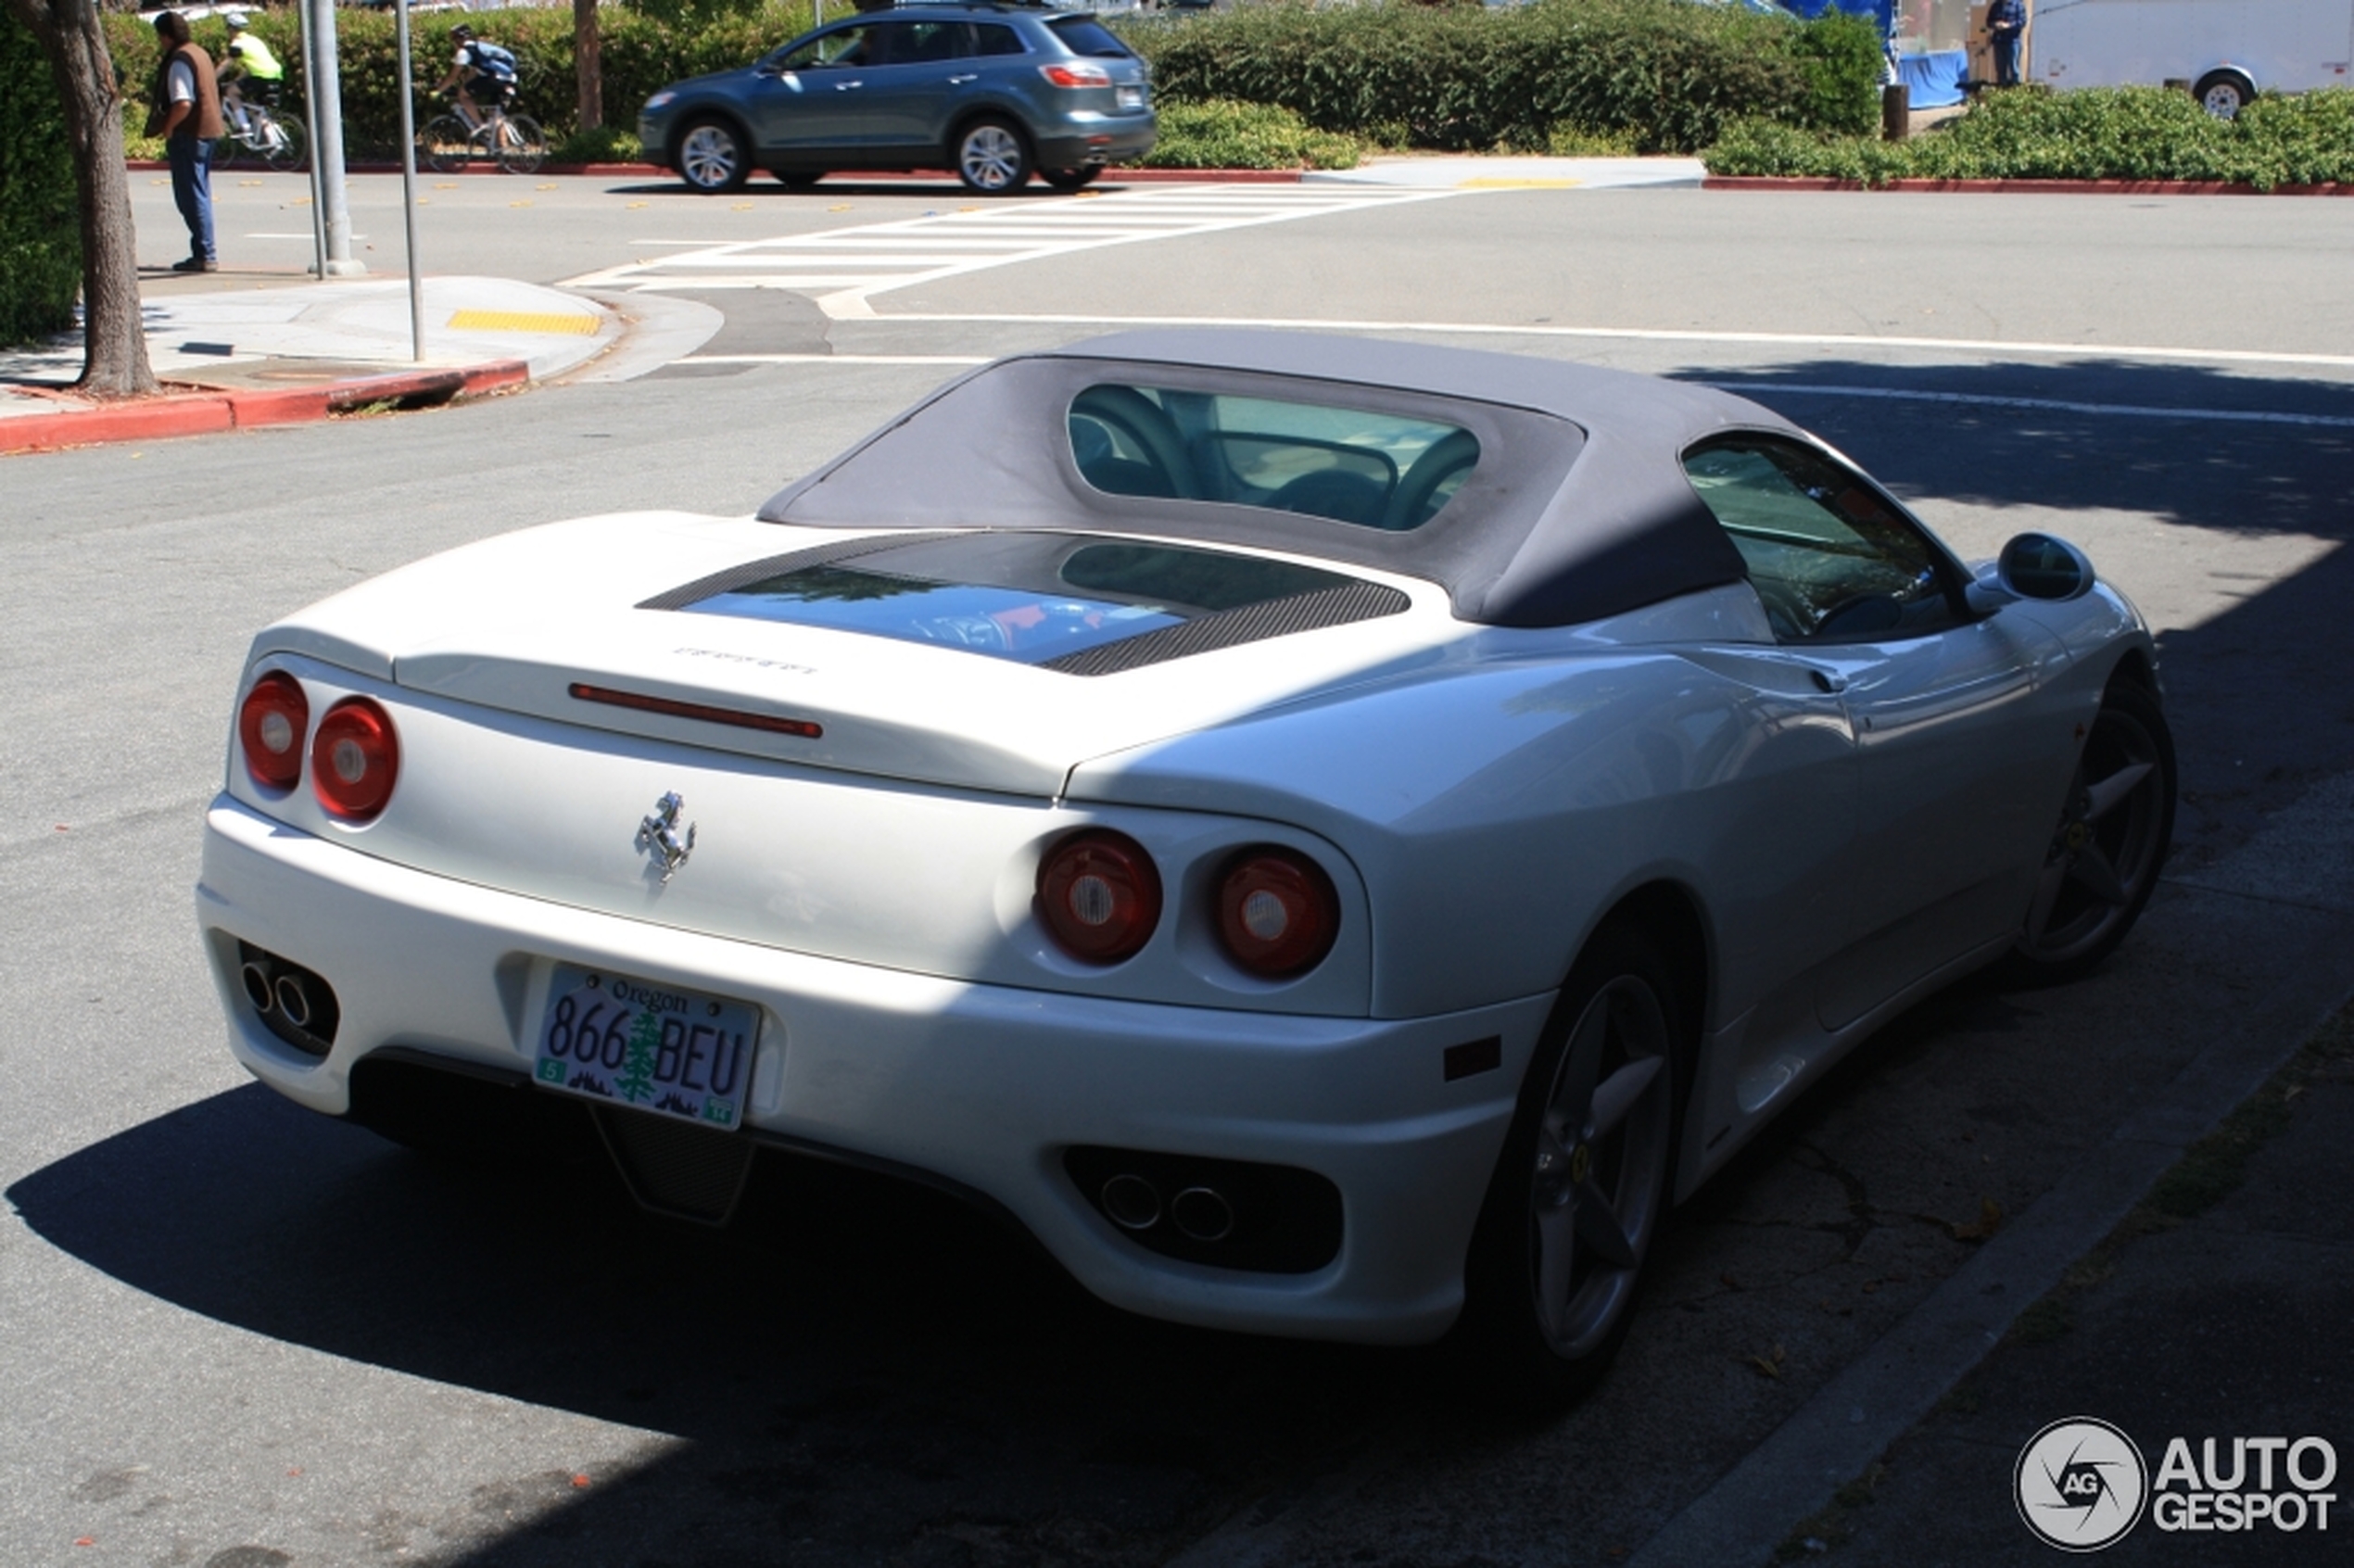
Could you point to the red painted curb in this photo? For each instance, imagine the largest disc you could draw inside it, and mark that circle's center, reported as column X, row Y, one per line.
column 155, row 419
column 2030, row 187
column 839, row 180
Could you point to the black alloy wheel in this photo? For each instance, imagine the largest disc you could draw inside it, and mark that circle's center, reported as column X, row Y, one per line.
column 2111, row 843
column 1585, row 1179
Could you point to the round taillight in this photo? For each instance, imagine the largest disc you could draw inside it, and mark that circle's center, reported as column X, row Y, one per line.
column 1099, row 896
column 354, row 759
column 1277, row 913
column 271, row 724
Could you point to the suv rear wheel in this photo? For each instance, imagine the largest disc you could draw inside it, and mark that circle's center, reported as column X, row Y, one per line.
column 991, row 157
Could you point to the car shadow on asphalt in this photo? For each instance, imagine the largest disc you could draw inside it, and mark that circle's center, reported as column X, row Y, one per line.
column 861, row 1362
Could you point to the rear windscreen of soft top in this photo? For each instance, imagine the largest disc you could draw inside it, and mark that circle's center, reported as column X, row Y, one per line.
column 1028, row 597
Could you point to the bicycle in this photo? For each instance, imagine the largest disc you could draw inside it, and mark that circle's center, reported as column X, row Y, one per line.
column 254, row 131
column 512, row 140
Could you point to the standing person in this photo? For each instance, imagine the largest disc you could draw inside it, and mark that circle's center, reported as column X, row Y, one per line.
column 245, row 60
column 187, row 115
column 2005, row 20
column 479, row 65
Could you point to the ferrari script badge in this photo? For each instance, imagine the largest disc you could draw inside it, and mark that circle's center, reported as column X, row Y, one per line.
column 661, row 835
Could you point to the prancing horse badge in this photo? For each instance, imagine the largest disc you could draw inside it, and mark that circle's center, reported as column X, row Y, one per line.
column 661, row 835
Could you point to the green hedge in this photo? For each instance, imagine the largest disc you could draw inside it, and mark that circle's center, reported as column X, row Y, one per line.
column 2089, row 133
column 1229, row 136
column 1664, row 75
column 40, row 234
column 641, row 54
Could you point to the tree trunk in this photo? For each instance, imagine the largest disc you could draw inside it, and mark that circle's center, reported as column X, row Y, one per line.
column 589, row 64
column 114, row 340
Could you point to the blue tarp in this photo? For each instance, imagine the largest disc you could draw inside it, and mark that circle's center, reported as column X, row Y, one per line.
column 1933, row 81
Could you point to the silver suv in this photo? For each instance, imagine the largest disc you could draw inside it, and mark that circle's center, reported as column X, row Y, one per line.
column 994, row 92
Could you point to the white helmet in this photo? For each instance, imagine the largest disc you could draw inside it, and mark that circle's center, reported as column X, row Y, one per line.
column 236, row 19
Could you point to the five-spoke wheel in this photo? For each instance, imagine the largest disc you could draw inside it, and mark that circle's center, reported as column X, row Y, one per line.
column 1584, row 1178
column 2104, row 858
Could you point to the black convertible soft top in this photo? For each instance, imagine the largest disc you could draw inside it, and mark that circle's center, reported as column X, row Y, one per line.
column 1579, row 508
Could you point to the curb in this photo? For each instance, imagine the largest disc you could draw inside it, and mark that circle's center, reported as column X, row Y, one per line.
column 2030, row 187
column 155, row 419
column 843, row 177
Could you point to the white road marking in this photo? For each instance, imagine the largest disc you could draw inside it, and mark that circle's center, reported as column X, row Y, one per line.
column 1644, row 335
column 851, row 264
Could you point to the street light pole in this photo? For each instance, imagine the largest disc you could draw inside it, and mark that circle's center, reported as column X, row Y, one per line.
column 409, row 190
column 327, row 151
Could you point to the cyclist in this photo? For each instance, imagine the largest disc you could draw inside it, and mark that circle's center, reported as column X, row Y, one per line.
column 246, row 59
column 478, row 67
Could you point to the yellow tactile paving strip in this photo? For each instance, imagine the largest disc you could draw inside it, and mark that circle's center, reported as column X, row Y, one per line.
column 525, row 321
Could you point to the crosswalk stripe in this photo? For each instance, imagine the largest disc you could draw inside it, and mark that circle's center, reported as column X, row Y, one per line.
column 862, row 259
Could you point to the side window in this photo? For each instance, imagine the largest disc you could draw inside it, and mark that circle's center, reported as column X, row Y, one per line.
column 1830, row 559
column 995, row 39
column 844, row 46
column 919, row 43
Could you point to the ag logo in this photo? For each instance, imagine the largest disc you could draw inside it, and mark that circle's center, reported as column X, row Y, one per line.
column 2080, row 1485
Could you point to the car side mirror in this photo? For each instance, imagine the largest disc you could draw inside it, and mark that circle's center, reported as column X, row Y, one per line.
column 2038, row 566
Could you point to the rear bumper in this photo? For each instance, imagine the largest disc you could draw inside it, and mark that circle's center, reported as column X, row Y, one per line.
column 1073, row 144
column 981, row 1086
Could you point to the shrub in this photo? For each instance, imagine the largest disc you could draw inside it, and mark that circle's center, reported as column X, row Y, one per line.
column 40, row 232
column 1224, row 134
column 2090, row 134
column 1662, row 75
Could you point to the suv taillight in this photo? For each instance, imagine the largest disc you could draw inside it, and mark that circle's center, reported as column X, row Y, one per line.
column 355, row 760
column 271, row 724
column 1099, row 896
column 1076, row 73
column 1277, row 913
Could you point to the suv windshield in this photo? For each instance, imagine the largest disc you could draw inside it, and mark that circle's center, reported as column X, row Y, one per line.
column 1084, row 35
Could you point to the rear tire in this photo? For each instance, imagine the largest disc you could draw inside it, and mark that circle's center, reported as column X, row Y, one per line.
column 282, row 145
column 992, row 156
column 1585, row 1179
column 713, row 158
column 521, row 147
column 2224, row 93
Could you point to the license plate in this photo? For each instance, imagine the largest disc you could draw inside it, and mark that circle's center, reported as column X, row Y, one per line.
column 1132, row 97
column 659, row 1048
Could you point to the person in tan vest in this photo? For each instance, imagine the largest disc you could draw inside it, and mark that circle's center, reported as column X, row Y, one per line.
column 187, row 115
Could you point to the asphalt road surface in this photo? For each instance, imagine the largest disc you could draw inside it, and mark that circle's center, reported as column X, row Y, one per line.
column 238, row 1335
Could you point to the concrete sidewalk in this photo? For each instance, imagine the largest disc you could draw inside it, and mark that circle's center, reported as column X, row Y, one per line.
column 240, row 350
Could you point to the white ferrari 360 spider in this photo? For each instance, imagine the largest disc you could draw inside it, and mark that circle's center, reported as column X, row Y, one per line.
column 1334, row 836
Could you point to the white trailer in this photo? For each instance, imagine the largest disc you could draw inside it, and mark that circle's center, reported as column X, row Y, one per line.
column 2225, row 51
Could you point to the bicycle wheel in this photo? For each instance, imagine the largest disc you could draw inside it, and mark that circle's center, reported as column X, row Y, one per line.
column 279, row 142
column 522, row 149
column 225, row 149
column 445, row 144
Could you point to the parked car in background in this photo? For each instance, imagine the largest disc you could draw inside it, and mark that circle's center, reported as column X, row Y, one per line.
column 994, row 92
column 2224, row 51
